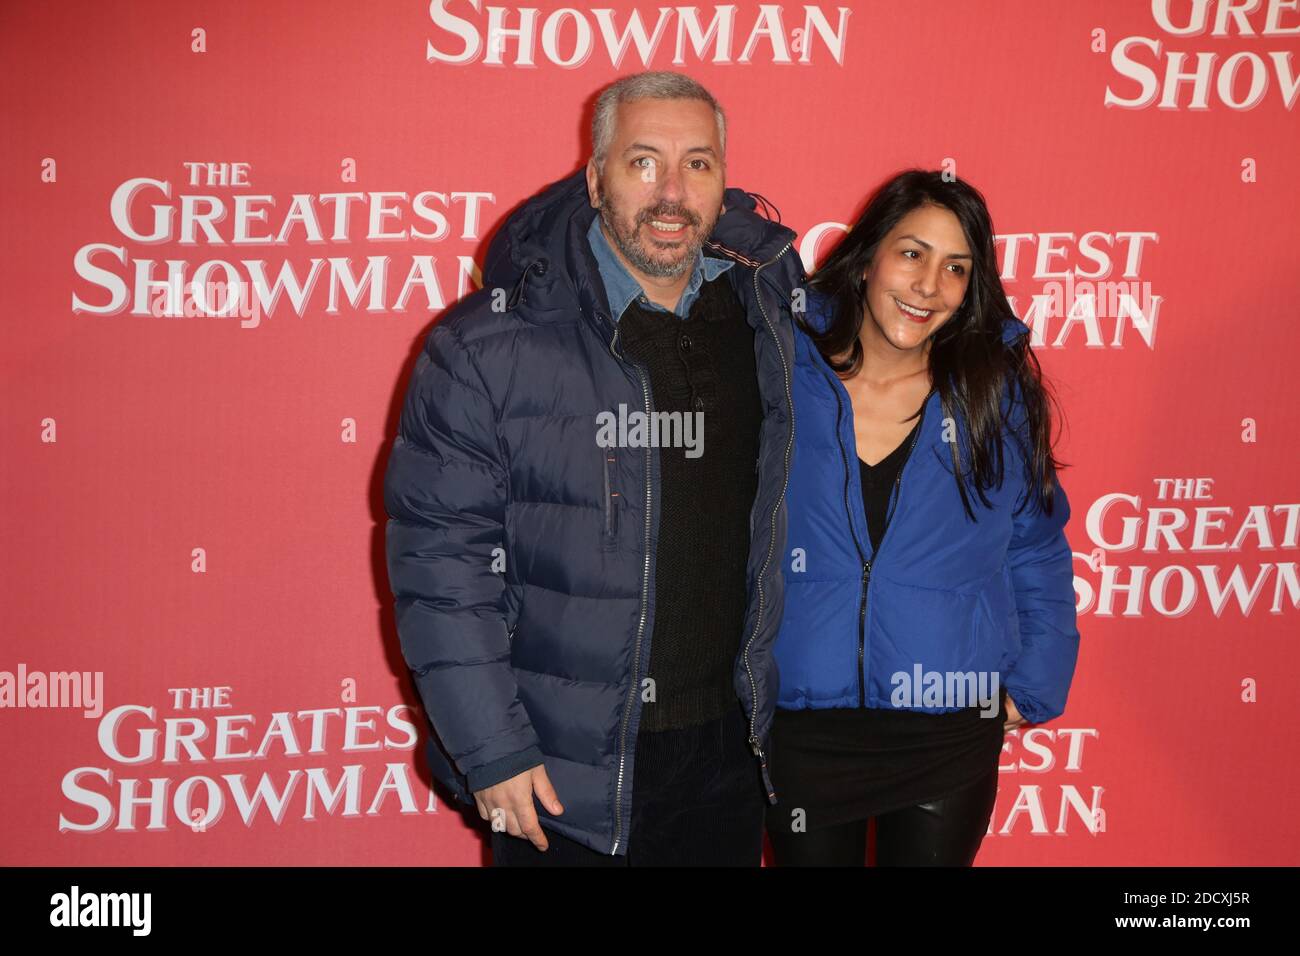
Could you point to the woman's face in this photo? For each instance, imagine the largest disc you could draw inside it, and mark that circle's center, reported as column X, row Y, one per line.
column 917, row 279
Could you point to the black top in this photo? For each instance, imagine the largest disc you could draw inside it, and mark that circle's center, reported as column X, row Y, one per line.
column 878, row 484
column 849, row 763
column 702, row 365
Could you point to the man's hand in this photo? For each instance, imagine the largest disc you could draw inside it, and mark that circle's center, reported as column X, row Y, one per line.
column 511, row 802
column 1014, row 718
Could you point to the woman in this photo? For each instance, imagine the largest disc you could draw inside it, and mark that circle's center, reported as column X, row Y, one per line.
column 929, row 599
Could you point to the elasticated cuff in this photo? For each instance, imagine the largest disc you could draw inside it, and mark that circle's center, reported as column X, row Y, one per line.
column 503, row 769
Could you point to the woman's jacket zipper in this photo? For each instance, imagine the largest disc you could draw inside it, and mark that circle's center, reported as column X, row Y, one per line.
column 866, row 563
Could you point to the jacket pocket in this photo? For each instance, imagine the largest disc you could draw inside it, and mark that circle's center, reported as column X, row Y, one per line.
column 609, row 467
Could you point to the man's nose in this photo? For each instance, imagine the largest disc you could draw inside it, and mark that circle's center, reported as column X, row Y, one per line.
column 670, row 183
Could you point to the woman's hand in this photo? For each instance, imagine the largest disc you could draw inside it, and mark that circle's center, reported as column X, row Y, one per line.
column 1014, row 719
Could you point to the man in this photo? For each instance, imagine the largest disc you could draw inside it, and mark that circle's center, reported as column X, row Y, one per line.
column 589, row 616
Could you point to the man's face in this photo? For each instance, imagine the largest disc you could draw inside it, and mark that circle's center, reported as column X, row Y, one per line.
column 661, row 191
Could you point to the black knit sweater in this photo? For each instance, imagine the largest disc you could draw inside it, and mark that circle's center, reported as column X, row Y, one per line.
column 704, row 363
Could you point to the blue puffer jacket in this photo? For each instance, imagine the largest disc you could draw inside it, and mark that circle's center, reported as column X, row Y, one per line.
column 538, row 658
column 945, row 593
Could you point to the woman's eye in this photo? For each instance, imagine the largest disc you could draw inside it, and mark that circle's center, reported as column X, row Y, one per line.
column 960, row 269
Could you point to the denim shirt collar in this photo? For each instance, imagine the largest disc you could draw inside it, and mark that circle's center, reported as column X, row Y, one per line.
column 621, row 287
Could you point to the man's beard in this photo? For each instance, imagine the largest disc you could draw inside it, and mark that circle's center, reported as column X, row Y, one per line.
column 635, row 251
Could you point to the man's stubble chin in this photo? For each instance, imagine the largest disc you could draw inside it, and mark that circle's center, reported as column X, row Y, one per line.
column 628, row 240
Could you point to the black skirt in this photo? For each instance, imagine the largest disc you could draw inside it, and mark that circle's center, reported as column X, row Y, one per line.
column 846, row 764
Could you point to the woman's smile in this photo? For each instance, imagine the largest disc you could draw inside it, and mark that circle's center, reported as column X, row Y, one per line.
column 919, row 316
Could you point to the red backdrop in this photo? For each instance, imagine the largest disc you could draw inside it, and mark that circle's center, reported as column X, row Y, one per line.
column 192, row 504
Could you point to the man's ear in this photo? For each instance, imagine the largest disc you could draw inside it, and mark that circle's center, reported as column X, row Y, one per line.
column 593, row 178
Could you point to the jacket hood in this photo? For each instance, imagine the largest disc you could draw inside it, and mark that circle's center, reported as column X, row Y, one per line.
column 545, row 241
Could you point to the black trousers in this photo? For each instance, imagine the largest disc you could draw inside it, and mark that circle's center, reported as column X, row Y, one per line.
column 697, row 800
column 944, row 832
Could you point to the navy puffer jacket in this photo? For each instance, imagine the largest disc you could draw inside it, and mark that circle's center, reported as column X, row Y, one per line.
column 520, row 559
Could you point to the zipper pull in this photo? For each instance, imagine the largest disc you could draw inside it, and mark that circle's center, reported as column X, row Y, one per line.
column 762, row 765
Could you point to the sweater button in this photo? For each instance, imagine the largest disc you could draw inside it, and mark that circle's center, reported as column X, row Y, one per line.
column 684, row 343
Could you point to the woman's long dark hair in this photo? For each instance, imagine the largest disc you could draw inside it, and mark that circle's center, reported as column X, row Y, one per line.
column 970, row 365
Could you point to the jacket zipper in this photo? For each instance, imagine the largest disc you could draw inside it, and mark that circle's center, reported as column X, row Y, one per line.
column 640, row 628
column 754, row 742
column 866, row 564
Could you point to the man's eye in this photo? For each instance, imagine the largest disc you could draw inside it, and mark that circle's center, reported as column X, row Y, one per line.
column 704, row 163
column 911, row 252
column 641, row 159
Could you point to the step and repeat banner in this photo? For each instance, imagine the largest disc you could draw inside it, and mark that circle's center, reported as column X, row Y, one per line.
column 200, row 663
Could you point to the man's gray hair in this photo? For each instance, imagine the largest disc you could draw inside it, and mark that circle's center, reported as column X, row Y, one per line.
column 658, row 85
